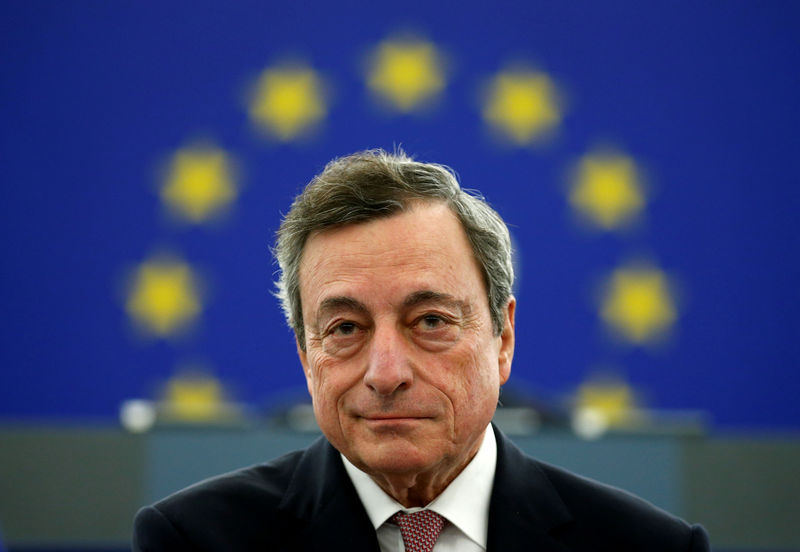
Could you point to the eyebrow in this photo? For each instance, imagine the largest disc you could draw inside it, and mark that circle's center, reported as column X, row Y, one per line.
column 345, row 303
column 428, row 296
column 337, row 303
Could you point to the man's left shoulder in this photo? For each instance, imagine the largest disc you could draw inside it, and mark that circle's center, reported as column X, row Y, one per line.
column 560, row 510
column 622, row 520
column 617, row 511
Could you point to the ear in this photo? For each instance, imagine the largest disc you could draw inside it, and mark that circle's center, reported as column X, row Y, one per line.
column 306, row 367
column 506, row 353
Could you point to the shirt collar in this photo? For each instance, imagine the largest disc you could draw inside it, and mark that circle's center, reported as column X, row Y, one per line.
column 465, row 502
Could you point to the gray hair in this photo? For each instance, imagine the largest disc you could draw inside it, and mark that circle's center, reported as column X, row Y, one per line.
column 375, row 184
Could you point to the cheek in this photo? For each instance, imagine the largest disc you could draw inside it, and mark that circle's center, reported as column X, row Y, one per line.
column 319, row 367
column 317, row 379
column 477, row 388
column 325, row 403
column 330, row 382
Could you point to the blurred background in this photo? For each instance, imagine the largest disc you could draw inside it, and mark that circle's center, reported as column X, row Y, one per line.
column 644, row 156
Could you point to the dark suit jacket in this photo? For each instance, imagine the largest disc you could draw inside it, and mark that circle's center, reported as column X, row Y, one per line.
column 305, row 501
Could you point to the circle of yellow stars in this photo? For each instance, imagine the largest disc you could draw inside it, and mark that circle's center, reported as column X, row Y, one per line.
column 407, row 74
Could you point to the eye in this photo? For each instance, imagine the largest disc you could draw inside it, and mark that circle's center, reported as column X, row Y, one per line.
column 432, row 322
column 435, row 332
column 344, row 328
column 343, row 338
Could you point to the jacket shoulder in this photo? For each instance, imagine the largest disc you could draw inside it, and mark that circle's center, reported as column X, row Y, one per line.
column 242, row 505
column 618, row 519
column 533, row 501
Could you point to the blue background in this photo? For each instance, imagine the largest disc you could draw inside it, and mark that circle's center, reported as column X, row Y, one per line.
column 94, row 96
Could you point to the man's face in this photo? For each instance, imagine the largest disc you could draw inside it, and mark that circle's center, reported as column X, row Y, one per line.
column 400, row 359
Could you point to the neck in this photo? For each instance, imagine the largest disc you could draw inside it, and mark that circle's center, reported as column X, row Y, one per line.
column 418, row 489
column 411, row 492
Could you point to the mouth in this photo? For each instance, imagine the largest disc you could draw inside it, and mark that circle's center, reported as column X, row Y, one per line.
column 393, row 418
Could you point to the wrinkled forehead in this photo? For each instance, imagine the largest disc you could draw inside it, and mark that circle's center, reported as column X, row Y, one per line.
column 426, row 243
column 360, row 214
column 435, row 211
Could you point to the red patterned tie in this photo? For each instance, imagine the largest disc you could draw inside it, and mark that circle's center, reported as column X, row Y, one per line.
column 420, row 529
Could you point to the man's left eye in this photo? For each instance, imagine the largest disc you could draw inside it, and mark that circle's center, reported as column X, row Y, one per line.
column 432, row 322
column 435, row 332
column 345, row 328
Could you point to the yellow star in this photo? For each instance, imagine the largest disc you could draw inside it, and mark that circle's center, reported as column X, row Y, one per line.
column 288, row 101
column 199, row 183
column 638, row 303
column 194, row 397
column 164, row 296
column 522, row 104
column 607, row 190
column 614, row 400
column 406, row 73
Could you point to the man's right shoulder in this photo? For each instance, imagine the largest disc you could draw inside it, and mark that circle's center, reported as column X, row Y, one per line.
column 243, row 504
column 266, row 481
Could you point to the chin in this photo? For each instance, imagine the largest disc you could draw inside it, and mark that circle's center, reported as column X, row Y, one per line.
column 392, row 458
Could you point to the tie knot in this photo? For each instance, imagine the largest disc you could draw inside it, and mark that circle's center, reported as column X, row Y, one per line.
column 419, row 530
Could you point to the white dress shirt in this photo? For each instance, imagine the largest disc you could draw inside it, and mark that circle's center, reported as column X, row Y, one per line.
column 464, row 503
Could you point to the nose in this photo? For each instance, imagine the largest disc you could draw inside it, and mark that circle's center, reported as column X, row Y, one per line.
column 389, row 368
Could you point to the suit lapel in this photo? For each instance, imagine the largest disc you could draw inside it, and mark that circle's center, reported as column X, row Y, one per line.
column 324, row 505
column 524, row 509
column 323, row 512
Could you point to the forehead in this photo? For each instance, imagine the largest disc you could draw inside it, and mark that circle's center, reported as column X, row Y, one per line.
column 424, row 248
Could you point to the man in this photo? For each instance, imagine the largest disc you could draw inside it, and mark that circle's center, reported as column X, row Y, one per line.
column 398, row 287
